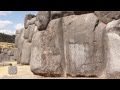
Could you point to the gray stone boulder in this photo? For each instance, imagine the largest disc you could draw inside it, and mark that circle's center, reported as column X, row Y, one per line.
column 31, row 21
column 47, row 55
column 59, row 14
column 20, row 45
column 26, row 52
column 18, row 33
column 43, row 18
column 112, row 50
column 12, row 70
column 28, row 17
column 83, row 45
column 107, row 16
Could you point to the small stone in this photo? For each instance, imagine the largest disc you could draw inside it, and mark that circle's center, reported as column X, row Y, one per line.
column 12, row 70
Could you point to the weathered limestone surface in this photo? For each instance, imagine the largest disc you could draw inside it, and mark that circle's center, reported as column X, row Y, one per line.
column 82, row 44
column 112, row 55
column 27, row 18
column 47, row 51
column 26, row 53
column 18, row 33
column 43, row 18
column 20, row 45
column 32, row 30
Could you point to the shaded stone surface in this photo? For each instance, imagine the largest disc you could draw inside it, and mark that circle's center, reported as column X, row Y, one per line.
column 26, row 53
column 59, row 14
column 28, row 17
column 43, row 18
column 82, row 12
column 107, row 16
column 32, row 30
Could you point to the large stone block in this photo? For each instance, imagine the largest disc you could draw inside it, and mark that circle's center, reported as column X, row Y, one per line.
column 43, row 18
column 26, row 52
column 20, row 45
column 26, row 33
column 83, row 45
column 31, row 21
column 47, row 51
column 112, row 50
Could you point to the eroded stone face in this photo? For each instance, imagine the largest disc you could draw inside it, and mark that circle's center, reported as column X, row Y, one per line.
column 83, row 44
column 26, row 53
column 20, row 45
column 112, row 50
column 27, row 18
column 43, row 18
column 46, row 51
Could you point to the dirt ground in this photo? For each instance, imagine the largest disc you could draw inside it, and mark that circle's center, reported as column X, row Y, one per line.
column 24, row 72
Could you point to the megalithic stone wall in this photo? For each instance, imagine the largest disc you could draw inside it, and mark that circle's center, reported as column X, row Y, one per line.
column 72, row 43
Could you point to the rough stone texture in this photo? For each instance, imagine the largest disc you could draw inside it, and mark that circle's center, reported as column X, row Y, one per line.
column 112, row 50
column 12, row 70
column 26, row 52
column 28, row 17
column 32, row 30
column 20, row 45
column 47, row 51
column 82, row 44
column 43, row 18
column 5, row 50
column 18, row 33
column 59, row 14
column 107, row 16
column 31, row 21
